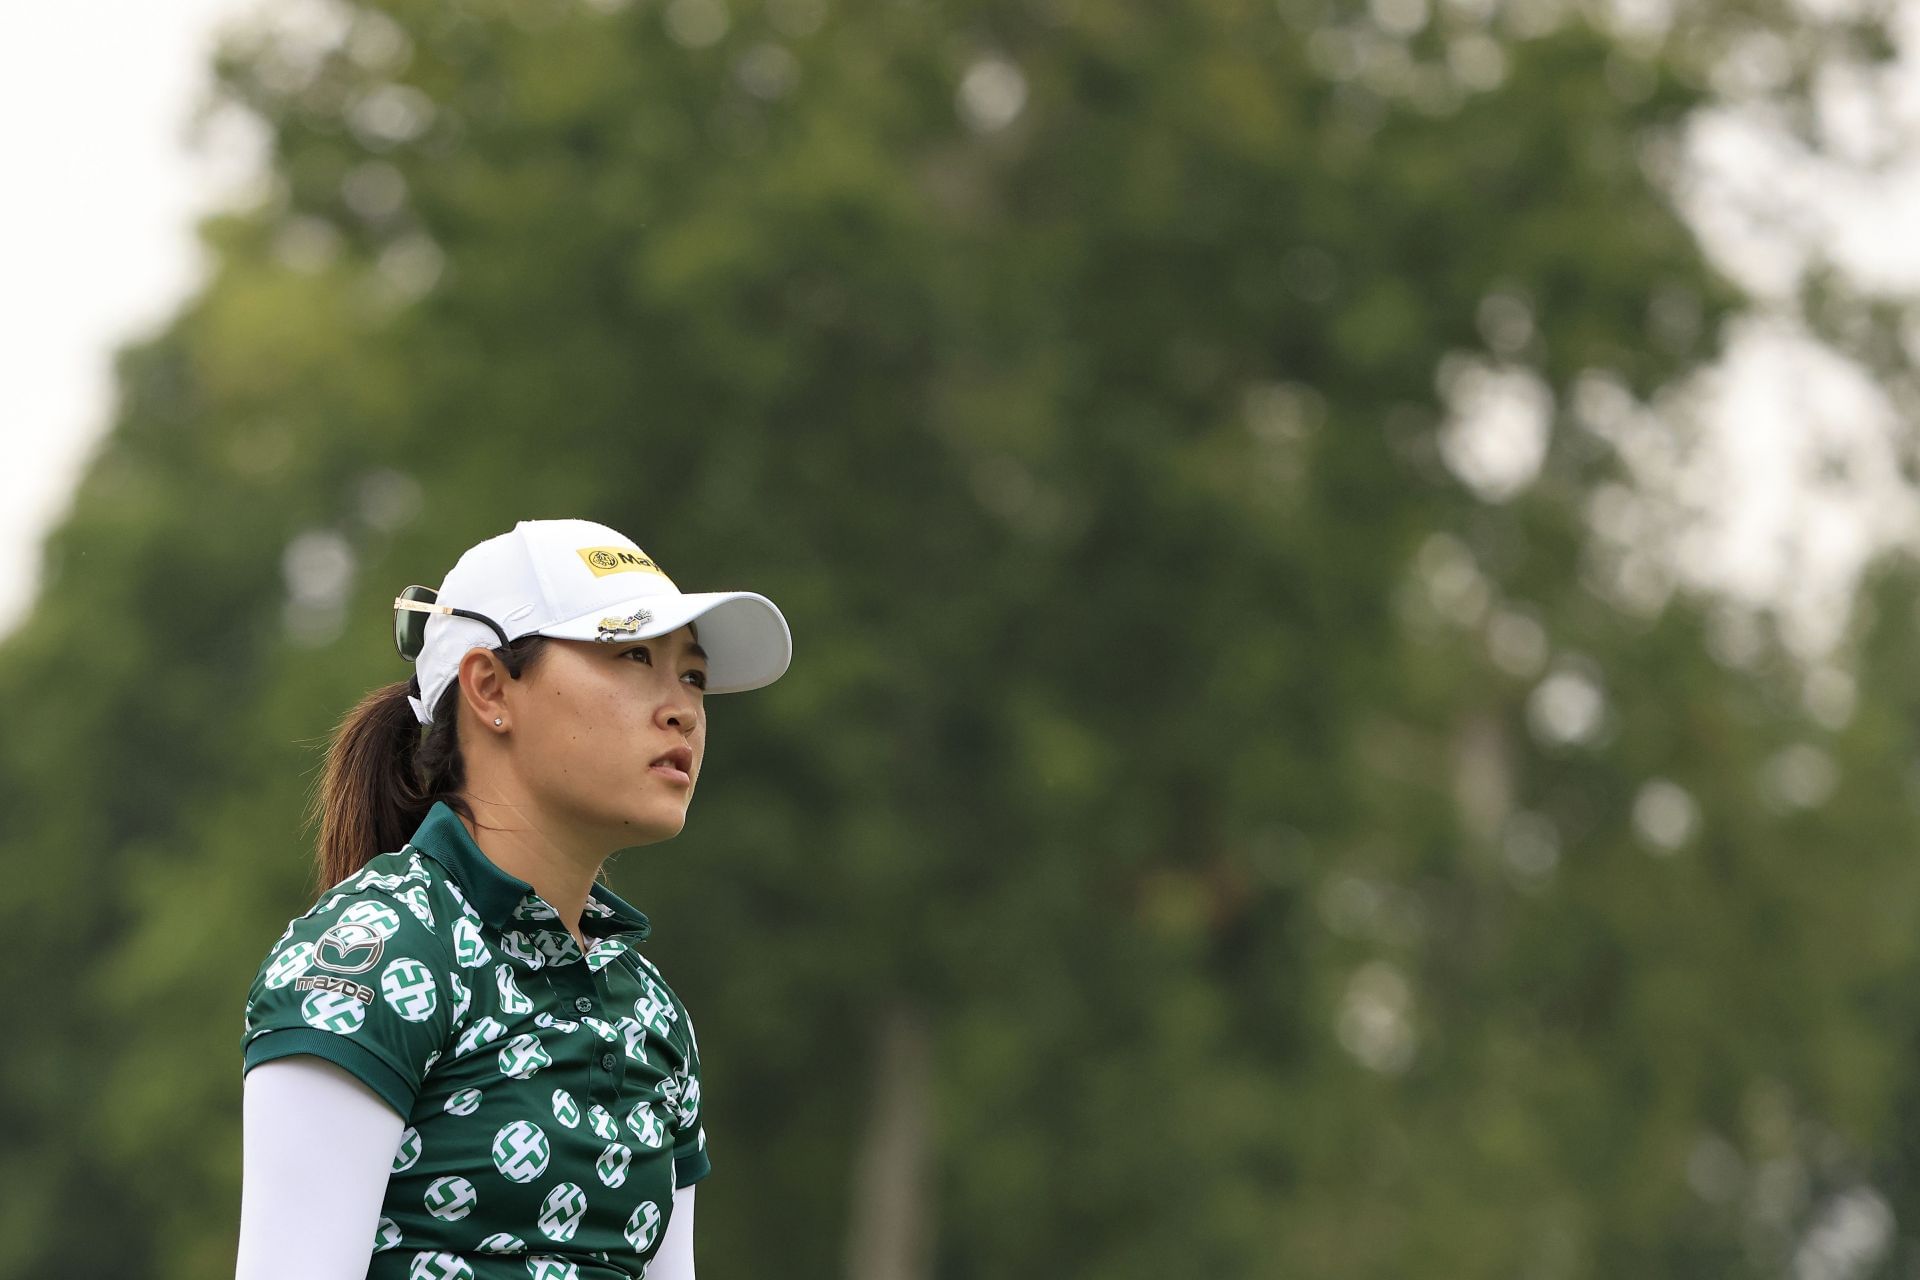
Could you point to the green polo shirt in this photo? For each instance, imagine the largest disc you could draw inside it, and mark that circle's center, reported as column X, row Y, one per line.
column 552, row 1099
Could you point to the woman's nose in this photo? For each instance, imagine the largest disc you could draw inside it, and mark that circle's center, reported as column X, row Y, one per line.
column 680, row 711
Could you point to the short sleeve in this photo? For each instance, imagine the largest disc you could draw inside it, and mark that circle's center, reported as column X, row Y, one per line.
column 690, row 1162
column 360, row 980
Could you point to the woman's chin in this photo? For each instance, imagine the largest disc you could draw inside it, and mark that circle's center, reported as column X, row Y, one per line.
column 657, row 823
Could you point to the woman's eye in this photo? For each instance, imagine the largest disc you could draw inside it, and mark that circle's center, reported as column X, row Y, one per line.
column 699, row 677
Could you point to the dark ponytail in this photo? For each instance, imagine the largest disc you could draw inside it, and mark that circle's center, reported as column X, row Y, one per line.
column 382, row 774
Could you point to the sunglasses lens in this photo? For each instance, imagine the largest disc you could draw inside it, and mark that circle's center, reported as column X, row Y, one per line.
column 409, row 625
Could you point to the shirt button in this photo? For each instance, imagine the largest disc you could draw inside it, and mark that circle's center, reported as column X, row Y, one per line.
column 583, row 1004
column 606, row 1061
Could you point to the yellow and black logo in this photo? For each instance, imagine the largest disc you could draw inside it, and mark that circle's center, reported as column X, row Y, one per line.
column 606, row 560
column 614, row 628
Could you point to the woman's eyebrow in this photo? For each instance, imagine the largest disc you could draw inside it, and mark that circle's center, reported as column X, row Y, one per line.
column 693, row 649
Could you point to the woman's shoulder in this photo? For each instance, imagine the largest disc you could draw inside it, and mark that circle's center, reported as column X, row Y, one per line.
column 364, row 978
column 398, row 902
column 398, row 875
column 430, row 892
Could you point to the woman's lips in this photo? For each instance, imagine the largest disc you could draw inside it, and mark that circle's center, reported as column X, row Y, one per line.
column 675, row 765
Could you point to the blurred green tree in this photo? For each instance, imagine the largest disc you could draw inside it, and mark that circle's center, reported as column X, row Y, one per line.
column 1255, row 828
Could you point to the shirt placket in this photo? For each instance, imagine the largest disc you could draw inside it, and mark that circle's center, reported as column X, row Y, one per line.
column 577, row 993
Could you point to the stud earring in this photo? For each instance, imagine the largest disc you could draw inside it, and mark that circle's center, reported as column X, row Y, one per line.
column 496, row 719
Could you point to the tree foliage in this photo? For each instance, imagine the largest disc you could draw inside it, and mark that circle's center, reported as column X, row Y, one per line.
column 1300, row 862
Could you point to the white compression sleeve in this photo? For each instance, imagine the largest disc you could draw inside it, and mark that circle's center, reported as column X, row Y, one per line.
column 317, row 1152
column 674, row 1261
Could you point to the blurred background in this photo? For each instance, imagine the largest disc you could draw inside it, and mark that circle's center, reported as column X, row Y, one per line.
column 1351, row 565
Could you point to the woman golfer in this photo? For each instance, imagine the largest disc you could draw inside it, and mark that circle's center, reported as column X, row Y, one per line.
column 460, row 1062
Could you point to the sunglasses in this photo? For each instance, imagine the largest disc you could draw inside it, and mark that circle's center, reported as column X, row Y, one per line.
column 410, row 611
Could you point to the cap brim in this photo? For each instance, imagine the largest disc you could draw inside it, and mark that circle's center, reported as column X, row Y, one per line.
column 746, row 638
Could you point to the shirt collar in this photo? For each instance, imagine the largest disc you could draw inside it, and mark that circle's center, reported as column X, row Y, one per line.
column 493, row 892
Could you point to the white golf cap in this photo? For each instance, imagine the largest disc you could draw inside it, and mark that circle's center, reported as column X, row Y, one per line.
column 577, row 580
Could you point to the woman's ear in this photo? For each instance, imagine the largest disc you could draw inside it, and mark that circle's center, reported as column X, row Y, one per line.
column 483, row 685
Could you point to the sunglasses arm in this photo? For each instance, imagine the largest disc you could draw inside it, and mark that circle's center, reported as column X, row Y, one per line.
column 424, row 606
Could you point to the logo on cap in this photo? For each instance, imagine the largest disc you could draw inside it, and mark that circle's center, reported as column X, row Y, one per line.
column 605, row 560
column 614, row 628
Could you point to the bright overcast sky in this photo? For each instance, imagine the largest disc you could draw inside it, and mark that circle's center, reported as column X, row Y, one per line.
column 95, row 235
column 96, row 247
